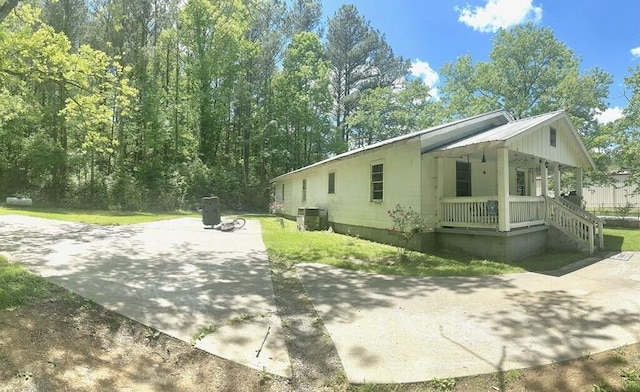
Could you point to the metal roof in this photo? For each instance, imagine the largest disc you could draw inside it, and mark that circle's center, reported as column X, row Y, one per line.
column 492, row 127
column 454, row 125
column 504, row 132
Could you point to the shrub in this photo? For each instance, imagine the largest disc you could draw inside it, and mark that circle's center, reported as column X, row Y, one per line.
column 406, row 224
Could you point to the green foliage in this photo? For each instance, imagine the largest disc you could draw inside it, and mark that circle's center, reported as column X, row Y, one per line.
column 406, row 224
column 530, row 72
column 18, row 286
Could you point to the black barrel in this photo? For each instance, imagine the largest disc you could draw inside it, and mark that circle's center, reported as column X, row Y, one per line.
column 210, row 211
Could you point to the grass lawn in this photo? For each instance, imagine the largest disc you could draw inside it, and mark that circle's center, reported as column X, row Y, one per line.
column 94, row 217
column 18, row 286
column 289, row 247
column 621, row 239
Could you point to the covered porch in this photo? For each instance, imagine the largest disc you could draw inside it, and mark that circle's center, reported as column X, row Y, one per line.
column 508, row 181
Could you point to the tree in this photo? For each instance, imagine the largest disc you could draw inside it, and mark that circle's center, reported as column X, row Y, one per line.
column 6, row 8
column 529, row 72
column 303, row 100
column 361, row 60
column 626, row 131
column 386, row 112
column 35, row 61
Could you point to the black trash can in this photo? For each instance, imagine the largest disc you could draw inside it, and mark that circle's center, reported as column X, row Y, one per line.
column 210, row 211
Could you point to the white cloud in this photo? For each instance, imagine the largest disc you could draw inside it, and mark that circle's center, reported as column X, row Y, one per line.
column 609, row 115
column 636, row 52
column 498, row 14
column 422, row 69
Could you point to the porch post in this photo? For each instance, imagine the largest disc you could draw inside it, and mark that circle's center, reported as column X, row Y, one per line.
column 579, row 182
column 556, row 181
column 504, row 220
column 544, row 179
column 440, row 185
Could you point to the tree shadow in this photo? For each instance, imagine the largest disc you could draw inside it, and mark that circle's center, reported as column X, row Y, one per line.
column 171, row 275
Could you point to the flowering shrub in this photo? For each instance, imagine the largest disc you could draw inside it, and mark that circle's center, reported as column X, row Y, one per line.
column 275, row 207
column 406, row 224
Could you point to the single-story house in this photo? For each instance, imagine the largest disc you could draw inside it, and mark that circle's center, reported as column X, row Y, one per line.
column 473, row 180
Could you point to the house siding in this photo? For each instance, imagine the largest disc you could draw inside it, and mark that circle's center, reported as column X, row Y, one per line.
column 537, row 143
column 351, row 203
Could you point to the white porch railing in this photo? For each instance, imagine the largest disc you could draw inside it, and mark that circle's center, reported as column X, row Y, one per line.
column 482, row 211
column 469, row 212
column 526, row 211
column 575, row 223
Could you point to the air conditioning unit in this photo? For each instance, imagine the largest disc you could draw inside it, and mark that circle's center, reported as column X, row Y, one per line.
column 311, row 218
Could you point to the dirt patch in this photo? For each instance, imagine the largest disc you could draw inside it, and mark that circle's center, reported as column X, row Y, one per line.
column 67, row 343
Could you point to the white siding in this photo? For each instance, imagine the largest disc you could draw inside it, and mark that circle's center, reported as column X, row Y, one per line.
column 537, row 143
column 351, row 203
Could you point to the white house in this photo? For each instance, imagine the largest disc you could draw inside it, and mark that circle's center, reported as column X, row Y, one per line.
column 473, row 180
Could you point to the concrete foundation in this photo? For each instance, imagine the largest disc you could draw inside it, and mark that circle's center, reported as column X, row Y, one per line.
column 508, row 246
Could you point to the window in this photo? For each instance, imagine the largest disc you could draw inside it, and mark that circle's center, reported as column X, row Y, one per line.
column 282, row 192
column 304, row 190
column 377, row 189
column 552, row 136
column 332, row 182
column 463, row 178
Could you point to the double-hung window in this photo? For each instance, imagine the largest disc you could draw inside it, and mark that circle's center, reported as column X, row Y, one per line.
column 377, row 182
column 304, row 190
column 332, row 183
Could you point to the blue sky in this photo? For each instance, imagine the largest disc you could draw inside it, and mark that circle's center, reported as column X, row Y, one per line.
column 431, row 33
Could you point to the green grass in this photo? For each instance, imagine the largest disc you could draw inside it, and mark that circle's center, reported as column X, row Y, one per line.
column 621, row 239
column 18, row 286
column 94, row 217
column 288, row 247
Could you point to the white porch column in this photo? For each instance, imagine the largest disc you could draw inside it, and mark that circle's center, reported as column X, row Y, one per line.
column 556, row 181
column 440, row 185
column 579, row 182
column 544, row 178
column 504, row 221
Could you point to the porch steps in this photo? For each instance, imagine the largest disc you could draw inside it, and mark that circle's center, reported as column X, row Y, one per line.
column 577, row 223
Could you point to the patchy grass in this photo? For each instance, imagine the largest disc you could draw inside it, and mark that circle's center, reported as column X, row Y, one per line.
column 94, row 217
column 288, row 247
column 621, row 239
column 18, row 286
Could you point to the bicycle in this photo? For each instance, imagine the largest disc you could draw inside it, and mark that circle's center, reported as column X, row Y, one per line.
column 235, row 224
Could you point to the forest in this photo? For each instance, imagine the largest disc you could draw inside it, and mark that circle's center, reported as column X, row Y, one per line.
column 153, row 104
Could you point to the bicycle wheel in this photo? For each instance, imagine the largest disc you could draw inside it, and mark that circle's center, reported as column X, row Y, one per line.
column 239, row 223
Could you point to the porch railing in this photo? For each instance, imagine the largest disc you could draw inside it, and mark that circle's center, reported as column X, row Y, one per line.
column 595, row 221
column 575, row 223
column 526, row 210
column 482, row 211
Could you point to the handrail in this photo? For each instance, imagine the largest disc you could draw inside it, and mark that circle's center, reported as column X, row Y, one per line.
column 573, row 223
column 587, row 215
column 577, row 209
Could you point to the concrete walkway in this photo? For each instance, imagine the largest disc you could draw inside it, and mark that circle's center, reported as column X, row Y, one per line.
column 172, row 275
column 404, row 329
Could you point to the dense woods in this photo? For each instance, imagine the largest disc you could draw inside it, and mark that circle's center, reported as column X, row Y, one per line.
column 153, row 104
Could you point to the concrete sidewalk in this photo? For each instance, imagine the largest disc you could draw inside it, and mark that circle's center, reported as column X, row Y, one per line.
column 405, row 329
column 172, row 275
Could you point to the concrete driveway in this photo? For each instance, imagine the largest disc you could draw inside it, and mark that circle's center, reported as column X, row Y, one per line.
column 172, row 275
column 405, row 329
column 178, row 277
